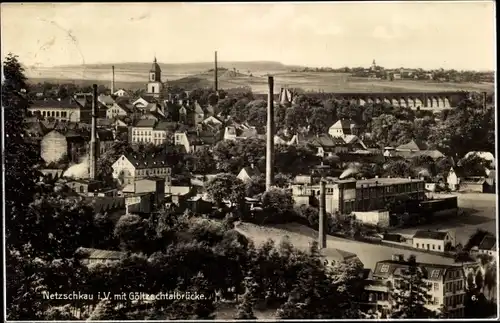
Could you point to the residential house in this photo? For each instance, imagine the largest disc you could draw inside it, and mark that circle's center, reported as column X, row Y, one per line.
column 128, row 168
column 211, row 120
column 236, row 132
column 195, row 140
column 199, row 114
column 342, row 128
column 447, row 286
column 121, row 109
column 106, row 101
column 328, row 146
column 70, row 109
column 85, row 187
column 413, row 149
column 439, row 241
column 152, row 131
column 334, row 256
column 143, row 101
column 121, row 93
column 105, row 139
column 247, row 173
column 488, row 246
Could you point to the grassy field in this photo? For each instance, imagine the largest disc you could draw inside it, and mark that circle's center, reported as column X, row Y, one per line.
column 301, row 237
column 480, row 213
column 135, row 76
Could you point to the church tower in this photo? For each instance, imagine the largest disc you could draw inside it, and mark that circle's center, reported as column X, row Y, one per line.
column 155, row 86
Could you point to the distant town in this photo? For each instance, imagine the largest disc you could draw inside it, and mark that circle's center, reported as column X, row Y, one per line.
column 290, row 204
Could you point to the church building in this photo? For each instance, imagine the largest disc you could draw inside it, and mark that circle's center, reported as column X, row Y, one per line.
column 155, row 86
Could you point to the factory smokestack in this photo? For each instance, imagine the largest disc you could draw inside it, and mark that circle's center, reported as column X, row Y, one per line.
column 112, row 79
column 270, row 135
column 216, row 85
column 322, row 216
column 93, row 135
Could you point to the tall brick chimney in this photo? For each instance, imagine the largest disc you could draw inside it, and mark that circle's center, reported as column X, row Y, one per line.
column 270, row 135
column 322, row 216
column 112, row 79
column 93, row 136
column 216, row 85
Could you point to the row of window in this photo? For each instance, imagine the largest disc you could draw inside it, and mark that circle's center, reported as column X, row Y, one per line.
column 428, row 246
column 401, row 188
column 454, row 300
column 454, row 286
column 62, row 114
column 153, row 171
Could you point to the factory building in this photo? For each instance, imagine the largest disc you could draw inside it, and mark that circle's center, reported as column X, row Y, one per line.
column 349, row 195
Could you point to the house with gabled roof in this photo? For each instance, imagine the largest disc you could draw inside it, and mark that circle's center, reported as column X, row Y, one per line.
column 328, row 146
column 143, row 101
column 438, row 241
column 246, row 173
column 488, row 246
column 413, row 145
column 121, row 93
column 447, row 285
column 130, row 167
column 119, row 109
column 342, row 128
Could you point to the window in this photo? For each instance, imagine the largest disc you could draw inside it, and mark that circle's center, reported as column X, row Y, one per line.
column 153, row 89
column 152, row 78
column 384, row 269
column 433, row 247
column 417, row 245
column 439, row 247
column 435, row 273
column 81, row 189
column 436, row 286
column 428, row 247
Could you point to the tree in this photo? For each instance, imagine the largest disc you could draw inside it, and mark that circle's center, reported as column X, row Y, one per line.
column 277, row 203
column 226, row 187
column 398, row 168
column 411, row 294
column 256, row 185
column 130, row 230
column 203, row 161
column 245, row 308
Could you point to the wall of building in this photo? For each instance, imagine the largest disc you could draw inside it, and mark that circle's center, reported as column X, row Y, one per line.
column 379, row 218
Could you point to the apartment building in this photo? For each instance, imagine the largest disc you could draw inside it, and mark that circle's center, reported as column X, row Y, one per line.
column 151, row 131
column 129, row 168
column 446, row 283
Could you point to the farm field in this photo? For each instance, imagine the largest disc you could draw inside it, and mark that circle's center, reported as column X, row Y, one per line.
column 301, row 237
column 480, row 213
column 135, row 78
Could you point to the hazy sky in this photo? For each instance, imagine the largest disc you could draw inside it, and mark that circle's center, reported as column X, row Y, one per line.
column 458, row 35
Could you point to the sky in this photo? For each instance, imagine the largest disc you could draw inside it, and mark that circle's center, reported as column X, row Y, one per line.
column 458, row 35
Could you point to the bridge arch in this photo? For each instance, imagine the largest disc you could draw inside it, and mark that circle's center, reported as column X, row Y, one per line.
column 446, row 102
column 434, row 102
column 440, row 102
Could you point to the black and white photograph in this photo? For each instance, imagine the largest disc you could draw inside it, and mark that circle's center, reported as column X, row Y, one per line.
column 249, row 161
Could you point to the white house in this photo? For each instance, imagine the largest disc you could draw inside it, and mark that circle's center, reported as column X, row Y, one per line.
column 433, row 240
column 119, row 109
column 247, row 173
column 488, row 246
column 212, row 120
column 121, row 92
column 128, row 168
column 342, row 128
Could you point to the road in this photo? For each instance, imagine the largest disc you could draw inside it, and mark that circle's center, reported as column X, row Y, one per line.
column 480, row 213
column 301, row 237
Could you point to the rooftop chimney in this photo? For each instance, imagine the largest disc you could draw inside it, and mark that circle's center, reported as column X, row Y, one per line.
column 322, row 218
column 270, row 136
column 113, row 79
column 93, row 139
column 216, row 85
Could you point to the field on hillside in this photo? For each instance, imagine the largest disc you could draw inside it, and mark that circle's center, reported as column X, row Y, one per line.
column 257, row 80
column 301, row 237
column 479, row 213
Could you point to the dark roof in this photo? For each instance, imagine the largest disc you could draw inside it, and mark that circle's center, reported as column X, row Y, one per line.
column 142, row 161
column 489, row 242
column 148, row 98
column 414, row 145
column 388, row 268
column 165, row 125
column 104, row 122
column 105, row 135
column 337, row 254
column 327, row 141
column 435, row 235
column 69, row 103
column 146, row 123
column 129, row 108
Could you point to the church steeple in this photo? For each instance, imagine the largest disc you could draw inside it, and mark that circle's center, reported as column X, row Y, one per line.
column 155, row 85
